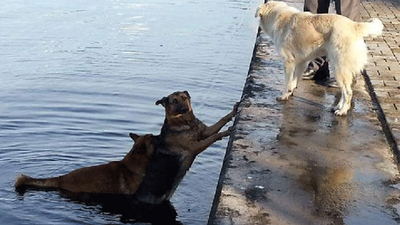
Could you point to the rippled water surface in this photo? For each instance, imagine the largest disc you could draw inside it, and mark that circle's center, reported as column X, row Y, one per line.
column 77, row 76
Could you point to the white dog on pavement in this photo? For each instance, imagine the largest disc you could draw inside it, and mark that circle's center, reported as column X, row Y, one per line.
column 300, row 37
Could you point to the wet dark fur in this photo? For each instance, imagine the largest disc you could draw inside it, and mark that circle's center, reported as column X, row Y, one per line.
column 119, row 177
column 182, row 138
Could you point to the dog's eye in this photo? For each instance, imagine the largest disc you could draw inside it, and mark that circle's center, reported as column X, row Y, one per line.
column 184, row 98
column 175, row 101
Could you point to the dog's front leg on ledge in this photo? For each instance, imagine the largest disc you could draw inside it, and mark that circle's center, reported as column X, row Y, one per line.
column 204, row 144
column 289, row 72
column 221, row 123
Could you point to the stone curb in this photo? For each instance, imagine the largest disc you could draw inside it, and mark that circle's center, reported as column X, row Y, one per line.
column 382, row 74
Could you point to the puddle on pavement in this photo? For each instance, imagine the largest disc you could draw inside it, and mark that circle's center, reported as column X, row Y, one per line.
column 339, row 158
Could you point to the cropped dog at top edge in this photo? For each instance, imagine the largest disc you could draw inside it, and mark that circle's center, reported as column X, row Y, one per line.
column 301, row 37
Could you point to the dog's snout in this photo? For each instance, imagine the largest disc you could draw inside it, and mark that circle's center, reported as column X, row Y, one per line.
column 183, row 109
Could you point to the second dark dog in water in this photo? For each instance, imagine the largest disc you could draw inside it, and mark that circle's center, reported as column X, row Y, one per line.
column 118, row 177
column 182, row 138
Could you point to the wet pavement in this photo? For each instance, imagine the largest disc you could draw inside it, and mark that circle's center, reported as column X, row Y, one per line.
column 297, row 163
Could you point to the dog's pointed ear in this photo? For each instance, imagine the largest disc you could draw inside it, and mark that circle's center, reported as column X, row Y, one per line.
column 163, row 101
column 187, row 93
column 134, row 136
column 149, row 145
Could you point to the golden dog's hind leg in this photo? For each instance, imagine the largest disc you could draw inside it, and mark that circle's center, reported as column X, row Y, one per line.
column 289, row 80
column 340, row 104
column 339, row 80
column 344, row 104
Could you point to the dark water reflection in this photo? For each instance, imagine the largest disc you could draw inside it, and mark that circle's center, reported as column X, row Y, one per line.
column 78, row 76
column 117, row 208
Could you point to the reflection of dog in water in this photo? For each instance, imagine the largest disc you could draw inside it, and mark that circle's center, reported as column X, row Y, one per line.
column 182, row 138
column 119, row 177
column 332, row 186
column 127, row 208
column 154, row 167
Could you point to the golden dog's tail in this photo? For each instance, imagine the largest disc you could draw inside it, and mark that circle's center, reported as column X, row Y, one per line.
column 24, row 181
column 372, row 28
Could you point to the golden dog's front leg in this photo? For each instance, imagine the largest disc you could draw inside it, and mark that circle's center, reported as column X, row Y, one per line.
column 289, row 72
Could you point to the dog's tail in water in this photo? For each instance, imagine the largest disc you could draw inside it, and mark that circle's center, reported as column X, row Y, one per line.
column 24, row 181
column 371, row 28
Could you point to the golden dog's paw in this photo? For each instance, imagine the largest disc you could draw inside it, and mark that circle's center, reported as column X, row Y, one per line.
column 282, row 98
column 341, row 112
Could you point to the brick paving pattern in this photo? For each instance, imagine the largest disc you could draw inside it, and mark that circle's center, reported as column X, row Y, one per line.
column 383, row 68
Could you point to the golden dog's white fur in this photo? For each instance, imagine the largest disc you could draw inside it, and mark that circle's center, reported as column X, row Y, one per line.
column 301, row 37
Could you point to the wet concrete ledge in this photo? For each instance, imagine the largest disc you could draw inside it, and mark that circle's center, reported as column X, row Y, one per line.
column 244, row 191
column 246, row 92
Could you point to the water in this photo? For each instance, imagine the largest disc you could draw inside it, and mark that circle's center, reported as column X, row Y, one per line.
column 77, row 76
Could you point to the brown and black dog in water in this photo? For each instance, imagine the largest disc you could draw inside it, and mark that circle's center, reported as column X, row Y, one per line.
column 182, row 138
column 118, row 177
column 154, row 167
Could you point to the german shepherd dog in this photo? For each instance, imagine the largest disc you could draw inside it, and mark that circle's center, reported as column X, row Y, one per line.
column 154, row 167
column 118, row 177
column 182, row 138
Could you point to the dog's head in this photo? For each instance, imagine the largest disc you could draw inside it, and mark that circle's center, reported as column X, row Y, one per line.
column 265, row 9
column 143, row 144
column 176, row 104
